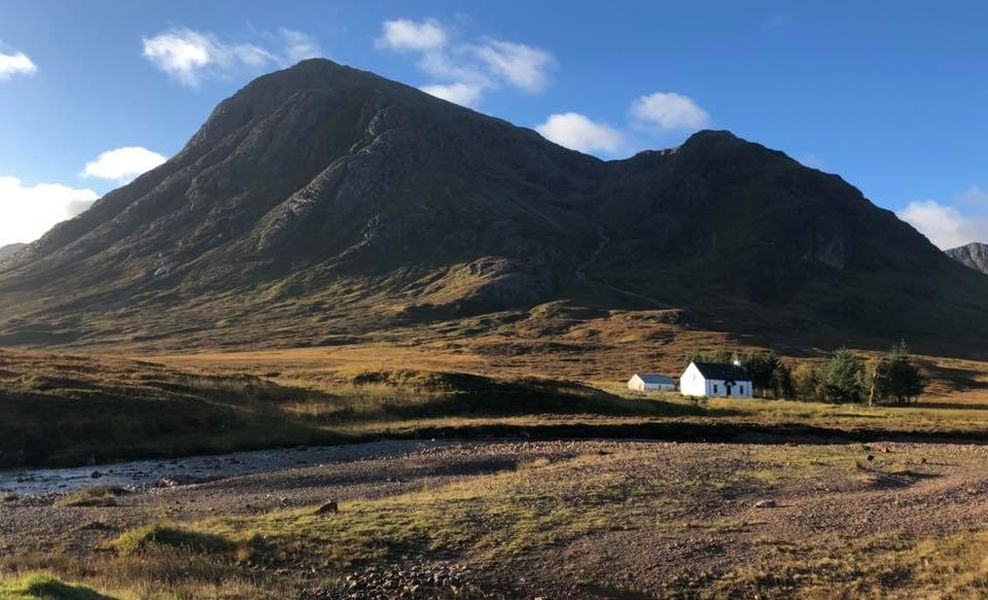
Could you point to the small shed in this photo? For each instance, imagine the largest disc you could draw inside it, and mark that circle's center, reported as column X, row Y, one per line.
column 651, row 383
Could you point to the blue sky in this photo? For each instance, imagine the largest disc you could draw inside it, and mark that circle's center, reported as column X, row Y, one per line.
column 889, row 94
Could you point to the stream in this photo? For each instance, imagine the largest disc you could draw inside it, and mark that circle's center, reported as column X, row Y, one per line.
column 143, row 474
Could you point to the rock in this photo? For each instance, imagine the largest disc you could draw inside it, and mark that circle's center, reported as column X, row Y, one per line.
column 871, row 457
column 765, row 504
column 328, row 507
column 95, row 475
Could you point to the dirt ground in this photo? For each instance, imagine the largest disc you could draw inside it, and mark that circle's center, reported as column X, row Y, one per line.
column 589, row 519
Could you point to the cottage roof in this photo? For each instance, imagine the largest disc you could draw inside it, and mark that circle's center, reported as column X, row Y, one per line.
column 656, row 379
column 724, row 372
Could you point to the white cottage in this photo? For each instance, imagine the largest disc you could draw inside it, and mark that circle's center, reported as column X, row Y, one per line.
column 715, row 380
column 651, row 383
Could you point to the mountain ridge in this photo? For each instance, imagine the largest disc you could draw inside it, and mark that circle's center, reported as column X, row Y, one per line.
column 11, row 249
column 973, row 255
column 324, row 201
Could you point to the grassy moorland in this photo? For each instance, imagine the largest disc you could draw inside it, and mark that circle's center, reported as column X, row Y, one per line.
column 64, row 410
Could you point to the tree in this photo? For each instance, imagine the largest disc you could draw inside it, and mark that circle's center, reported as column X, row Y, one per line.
column 893, row 377
column 806, row 381
column 782, row 382
column 720, row 356
column 842, row 377
column 761, row 366
column 876, row 380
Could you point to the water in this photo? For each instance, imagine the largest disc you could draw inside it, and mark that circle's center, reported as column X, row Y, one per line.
column 197, row 469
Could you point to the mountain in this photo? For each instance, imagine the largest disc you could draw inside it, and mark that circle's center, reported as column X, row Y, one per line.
column 321, row 202
column 10, row 250
column 974, row 255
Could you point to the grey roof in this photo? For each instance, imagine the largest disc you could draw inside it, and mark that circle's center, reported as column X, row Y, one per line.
column 656, row 379
column 724, row 372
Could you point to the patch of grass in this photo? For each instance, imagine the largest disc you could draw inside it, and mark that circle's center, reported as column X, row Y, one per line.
column 886, row 566
column 44, row 587
column 157, row 536
column 492, row 518
column 101, row 495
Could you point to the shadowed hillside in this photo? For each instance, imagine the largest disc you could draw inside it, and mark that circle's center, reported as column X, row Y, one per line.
column 322, row 203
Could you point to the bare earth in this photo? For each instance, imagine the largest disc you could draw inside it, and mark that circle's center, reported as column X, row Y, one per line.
column 675, row 519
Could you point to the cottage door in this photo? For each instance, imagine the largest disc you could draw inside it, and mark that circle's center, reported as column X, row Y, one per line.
column 728, row 385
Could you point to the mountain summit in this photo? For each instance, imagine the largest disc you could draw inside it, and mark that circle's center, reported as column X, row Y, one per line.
column 322, row 201
column 974, row 255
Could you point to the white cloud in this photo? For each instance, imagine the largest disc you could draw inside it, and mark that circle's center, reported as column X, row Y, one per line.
column 944, row 225
column 521, row 66
column 465, row 72
column 16, row 64
column 403, row 35
column 190, row 56
column 668, row 111
column 298, row 46
column 27, row 212
column 464, row 94
column 123, row 164
column 577, row 132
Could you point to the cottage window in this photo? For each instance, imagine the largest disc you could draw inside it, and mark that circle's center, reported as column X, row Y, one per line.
column 716, row 391
column 741, row 390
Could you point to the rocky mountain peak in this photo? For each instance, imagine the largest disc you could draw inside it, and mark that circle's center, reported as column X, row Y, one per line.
column 973, row 255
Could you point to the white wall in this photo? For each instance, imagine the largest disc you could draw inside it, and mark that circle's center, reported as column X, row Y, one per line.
column 638, row 385
column 692, row 383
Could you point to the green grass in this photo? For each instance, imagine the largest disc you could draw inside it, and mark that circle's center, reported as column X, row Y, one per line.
column 44, row 587
column 155, row 537
column 101, row 495
column 492, row 518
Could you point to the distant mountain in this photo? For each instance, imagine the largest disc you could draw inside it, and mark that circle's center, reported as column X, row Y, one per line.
column 974, row 255
column 322, row 201
column 10, row 250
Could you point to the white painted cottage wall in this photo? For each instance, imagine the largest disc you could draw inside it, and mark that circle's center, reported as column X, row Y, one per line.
column 692, row 382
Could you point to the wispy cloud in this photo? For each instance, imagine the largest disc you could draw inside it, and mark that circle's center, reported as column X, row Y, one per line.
column 191, row 56
column 123, row 164
column 465, row 72
column 522, row 66
column 579, row 132
column 28, row 211
column 948, row 225
column 16, row 64
column 976, row 196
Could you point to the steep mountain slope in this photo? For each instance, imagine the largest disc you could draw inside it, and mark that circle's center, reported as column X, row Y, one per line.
column 323, row 201
column 974, row 255
column 10, row 249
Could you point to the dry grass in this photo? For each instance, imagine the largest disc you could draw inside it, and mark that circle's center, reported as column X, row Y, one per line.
column 502, row 521
column 108, row 408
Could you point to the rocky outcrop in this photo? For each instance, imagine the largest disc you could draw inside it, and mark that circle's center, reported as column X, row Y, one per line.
column 10, row 250
column 974, row 255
